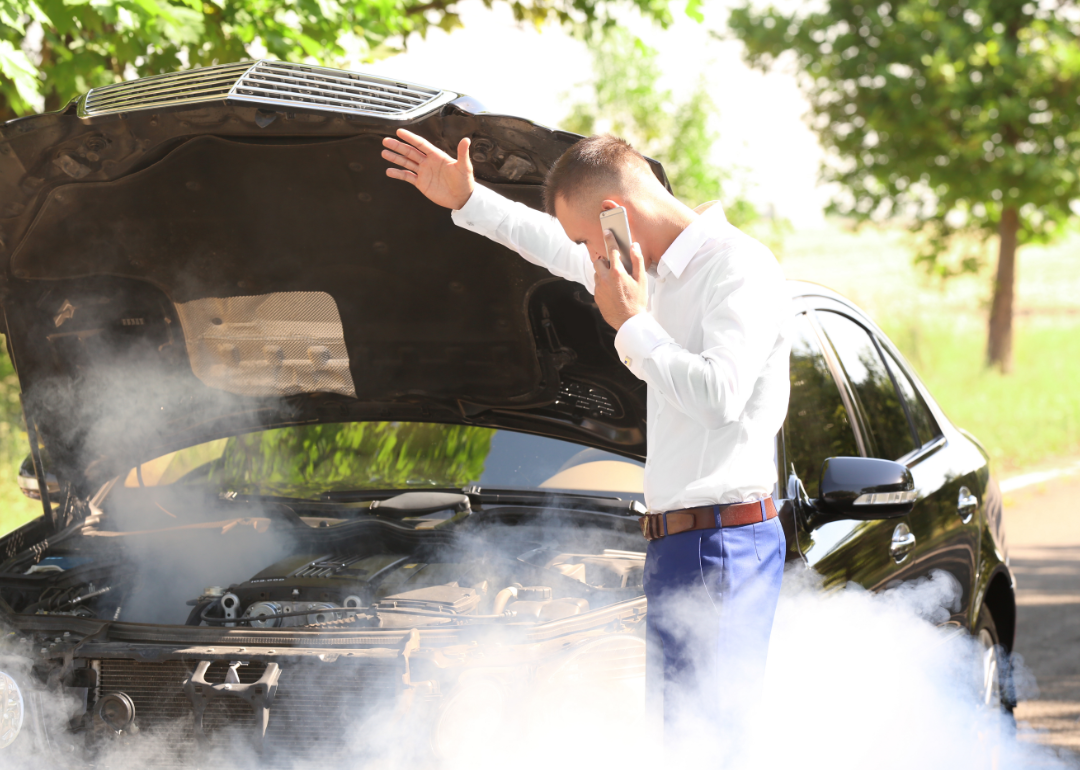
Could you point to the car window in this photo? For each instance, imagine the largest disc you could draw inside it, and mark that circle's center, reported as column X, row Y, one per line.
column 890, row 432
column 305, row 461
column 925, row 425
column 817, row 424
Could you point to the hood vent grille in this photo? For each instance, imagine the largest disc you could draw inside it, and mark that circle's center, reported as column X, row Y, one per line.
column 273, row 84
column 198, row 85
column 327, row 89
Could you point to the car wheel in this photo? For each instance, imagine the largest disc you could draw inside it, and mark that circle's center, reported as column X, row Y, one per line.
column 994, row 689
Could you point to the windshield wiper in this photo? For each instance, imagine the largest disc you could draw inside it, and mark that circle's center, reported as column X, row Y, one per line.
column 492, row 496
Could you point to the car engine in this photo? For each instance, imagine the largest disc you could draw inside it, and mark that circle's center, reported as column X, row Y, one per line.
column 392, row 590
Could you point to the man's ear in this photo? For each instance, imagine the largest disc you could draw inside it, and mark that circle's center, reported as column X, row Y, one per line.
column 608, row 205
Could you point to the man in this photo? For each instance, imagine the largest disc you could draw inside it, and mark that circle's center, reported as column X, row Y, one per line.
column 701, row 320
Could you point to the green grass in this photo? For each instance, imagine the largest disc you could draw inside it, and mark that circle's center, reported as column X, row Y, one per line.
column 1024, row 419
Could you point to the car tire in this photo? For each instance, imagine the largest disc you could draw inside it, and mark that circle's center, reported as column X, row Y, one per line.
column 995, row 688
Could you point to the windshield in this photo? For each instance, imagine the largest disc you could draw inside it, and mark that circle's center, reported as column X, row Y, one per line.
column 307, row 461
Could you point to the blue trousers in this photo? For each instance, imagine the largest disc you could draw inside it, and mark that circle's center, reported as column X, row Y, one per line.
column 712, row 596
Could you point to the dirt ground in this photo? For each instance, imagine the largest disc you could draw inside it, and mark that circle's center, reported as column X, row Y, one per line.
column 1043, row 529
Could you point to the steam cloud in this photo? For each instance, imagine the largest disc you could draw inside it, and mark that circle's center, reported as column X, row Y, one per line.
column 855, row 680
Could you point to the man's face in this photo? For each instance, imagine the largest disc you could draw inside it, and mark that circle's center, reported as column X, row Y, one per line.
column 581, row 223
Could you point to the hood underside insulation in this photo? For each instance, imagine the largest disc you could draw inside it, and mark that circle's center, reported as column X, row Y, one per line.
column 277, row 344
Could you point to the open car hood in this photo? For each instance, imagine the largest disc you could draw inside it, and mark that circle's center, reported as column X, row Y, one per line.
column 187, row 257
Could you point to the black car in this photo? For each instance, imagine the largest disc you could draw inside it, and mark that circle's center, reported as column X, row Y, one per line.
column 309, row 455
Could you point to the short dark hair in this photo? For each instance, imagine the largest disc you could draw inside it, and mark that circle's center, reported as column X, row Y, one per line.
column 595, row 164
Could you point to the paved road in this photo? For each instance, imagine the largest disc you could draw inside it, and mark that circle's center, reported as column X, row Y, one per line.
column 1043, row 529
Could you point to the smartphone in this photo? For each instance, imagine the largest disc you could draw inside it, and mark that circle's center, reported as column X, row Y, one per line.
column 615, row 221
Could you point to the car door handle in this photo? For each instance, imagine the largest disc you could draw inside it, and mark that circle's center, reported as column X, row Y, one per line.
column 903, row 541
column 967, row 505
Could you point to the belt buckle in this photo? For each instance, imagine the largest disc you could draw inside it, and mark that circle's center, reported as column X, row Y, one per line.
column 652, row 526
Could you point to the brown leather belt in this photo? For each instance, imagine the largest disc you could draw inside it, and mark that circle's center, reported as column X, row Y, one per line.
column 656, row 525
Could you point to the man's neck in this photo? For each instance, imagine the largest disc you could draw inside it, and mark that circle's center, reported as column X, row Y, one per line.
column 666, row 223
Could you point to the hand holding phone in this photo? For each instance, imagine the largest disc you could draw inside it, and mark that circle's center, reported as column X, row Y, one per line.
column 615, row 220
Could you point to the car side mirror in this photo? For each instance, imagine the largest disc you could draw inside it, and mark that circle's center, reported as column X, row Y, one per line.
column 863, row 488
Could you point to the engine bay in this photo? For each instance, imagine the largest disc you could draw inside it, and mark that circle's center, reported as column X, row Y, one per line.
column 388, row 568
column 423, row 608
column 392, row 590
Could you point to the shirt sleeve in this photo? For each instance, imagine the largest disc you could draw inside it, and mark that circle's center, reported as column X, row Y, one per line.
column 534, row 235
column 744, row 317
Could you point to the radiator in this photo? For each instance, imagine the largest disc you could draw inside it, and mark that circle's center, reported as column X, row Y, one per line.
column 315, row 716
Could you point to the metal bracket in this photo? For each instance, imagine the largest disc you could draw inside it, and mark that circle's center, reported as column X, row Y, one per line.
column 260, row 695
column 410, row 690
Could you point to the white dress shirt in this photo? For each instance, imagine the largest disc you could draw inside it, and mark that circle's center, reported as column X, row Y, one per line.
column 712, row 346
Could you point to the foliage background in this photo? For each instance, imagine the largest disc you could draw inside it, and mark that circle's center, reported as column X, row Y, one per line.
column 627, row 99
column 15, row 508
column 1028, row 419
column 958, row 117
column 53, row 50
column 306, row 461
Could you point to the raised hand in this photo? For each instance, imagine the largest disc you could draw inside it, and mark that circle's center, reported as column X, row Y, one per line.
column 439, row 177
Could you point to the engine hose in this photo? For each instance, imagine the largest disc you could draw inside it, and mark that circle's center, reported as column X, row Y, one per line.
column 53, row 598
column 195, row 618
column 84, row 598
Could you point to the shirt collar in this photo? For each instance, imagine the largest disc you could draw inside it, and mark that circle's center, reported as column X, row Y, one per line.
column 689, row 242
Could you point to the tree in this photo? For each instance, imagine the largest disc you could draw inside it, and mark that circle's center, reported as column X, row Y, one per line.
column 53, row 50
column 628, row 102
column 960, row 115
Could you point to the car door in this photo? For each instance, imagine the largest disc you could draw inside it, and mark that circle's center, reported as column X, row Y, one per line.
column 946, row 524
column 822, row 423
column 898, row 426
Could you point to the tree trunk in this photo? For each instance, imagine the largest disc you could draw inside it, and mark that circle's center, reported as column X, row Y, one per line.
column 999, row 347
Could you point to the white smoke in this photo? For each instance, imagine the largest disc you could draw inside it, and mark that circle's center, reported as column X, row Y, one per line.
column 855, row 680
column 862, row 680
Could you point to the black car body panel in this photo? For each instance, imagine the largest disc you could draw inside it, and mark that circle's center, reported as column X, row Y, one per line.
column 956, row 521
column 134, row 237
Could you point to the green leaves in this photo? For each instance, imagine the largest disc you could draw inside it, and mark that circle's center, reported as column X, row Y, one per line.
column 629, row 103
column 941, row 112
column 87, row 43
column 19, row 71
column 958, row 116
column 308, row 460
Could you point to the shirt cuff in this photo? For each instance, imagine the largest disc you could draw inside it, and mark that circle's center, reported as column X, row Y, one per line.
column 483, row 212
column 638, row 337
